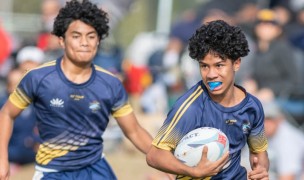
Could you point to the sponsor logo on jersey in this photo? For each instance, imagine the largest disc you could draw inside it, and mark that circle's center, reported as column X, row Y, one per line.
column 76, row 97
column 57, row 103
column 94, row 106
column 231, row 121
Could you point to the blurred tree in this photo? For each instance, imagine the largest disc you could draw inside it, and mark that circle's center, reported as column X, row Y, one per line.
column 28, row 6
column 142, row 17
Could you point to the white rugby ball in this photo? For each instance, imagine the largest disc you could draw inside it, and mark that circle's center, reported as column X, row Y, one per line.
column 189, row 149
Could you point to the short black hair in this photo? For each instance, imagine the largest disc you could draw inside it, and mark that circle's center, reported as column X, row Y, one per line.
column 84, row 11
column 220, row 38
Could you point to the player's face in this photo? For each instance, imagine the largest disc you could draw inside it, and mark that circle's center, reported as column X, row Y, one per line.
column 214, row 69
column 80, row 43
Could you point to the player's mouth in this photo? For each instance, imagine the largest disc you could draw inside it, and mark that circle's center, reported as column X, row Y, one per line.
column 214, row 85
column 84, row 51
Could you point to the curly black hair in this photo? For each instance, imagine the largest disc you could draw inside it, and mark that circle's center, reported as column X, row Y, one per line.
column 84, row 11
column 219, row 38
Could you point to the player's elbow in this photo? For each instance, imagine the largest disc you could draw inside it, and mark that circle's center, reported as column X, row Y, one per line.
column 150, row 159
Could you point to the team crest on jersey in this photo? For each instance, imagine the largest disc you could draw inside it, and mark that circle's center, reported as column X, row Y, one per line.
column 57, row 103
column 94, row 106
column 246, row 127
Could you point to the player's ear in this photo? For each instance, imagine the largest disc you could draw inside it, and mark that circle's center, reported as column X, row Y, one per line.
column 61, row 42
column 237, row 64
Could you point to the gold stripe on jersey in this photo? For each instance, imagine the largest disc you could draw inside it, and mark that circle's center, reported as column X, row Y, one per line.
column 50, row 63
column 46, row 153
column 59, row 146
column 98, row 68
column 20, row 99
column 124, row 110
column 258, row 143
column 159, row 140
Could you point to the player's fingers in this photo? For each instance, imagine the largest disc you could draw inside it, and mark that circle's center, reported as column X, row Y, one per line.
column 262, row 176
column 258, row 174
column 204, row 153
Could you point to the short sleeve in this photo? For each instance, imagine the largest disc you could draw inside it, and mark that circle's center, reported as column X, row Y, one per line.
column 257, row 140
column 23, row 95
column 121, row 106
column 181, row 119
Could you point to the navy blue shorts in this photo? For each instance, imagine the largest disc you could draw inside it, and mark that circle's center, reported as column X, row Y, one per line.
column 99, row 170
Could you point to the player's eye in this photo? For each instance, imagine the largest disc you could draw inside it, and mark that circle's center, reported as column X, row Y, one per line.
column 203, row 66
column 92, row 37
column 219, row 65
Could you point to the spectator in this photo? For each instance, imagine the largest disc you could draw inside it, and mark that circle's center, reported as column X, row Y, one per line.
column 297, row 37
column 286, row 145
column 273, row 63
column 29, row 57
column 275, row 73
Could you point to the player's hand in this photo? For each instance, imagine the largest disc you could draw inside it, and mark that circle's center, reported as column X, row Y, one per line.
column 4, row 170
column 206, row 168
column 259, row 172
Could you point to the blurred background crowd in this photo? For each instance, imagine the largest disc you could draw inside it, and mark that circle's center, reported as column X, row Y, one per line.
column 147, row 49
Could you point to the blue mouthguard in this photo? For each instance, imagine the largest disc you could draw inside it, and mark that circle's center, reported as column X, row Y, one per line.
column 213, row 85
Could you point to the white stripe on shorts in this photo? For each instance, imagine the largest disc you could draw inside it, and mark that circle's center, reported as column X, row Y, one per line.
column 38, row 175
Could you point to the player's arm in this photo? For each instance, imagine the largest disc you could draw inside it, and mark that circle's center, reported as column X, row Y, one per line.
column 7, row 116
column 260, row 165
column 135, row 132
column 165, row 161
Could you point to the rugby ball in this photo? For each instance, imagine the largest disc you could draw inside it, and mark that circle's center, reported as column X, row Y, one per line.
column 190, row 147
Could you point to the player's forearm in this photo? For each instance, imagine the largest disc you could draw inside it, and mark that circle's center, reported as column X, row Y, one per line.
column 263, row 159
column 165, row 161
column 6, row 125
column 135, row 132
column 141, row 139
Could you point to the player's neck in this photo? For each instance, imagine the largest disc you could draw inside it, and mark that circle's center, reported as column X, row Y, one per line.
column 76, row 73
column 231, row 98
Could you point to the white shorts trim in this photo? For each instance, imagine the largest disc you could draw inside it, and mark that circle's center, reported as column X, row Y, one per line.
column 42, row 169
column 38, row 175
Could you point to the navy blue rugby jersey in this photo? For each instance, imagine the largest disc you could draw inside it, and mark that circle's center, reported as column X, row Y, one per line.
column 71, row 117
column 241, row 123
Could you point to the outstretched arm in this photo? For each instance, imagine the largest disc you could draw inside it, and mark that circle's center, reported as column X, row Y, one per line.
column 135, row 132
column 260, row 165
column 7, row 116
